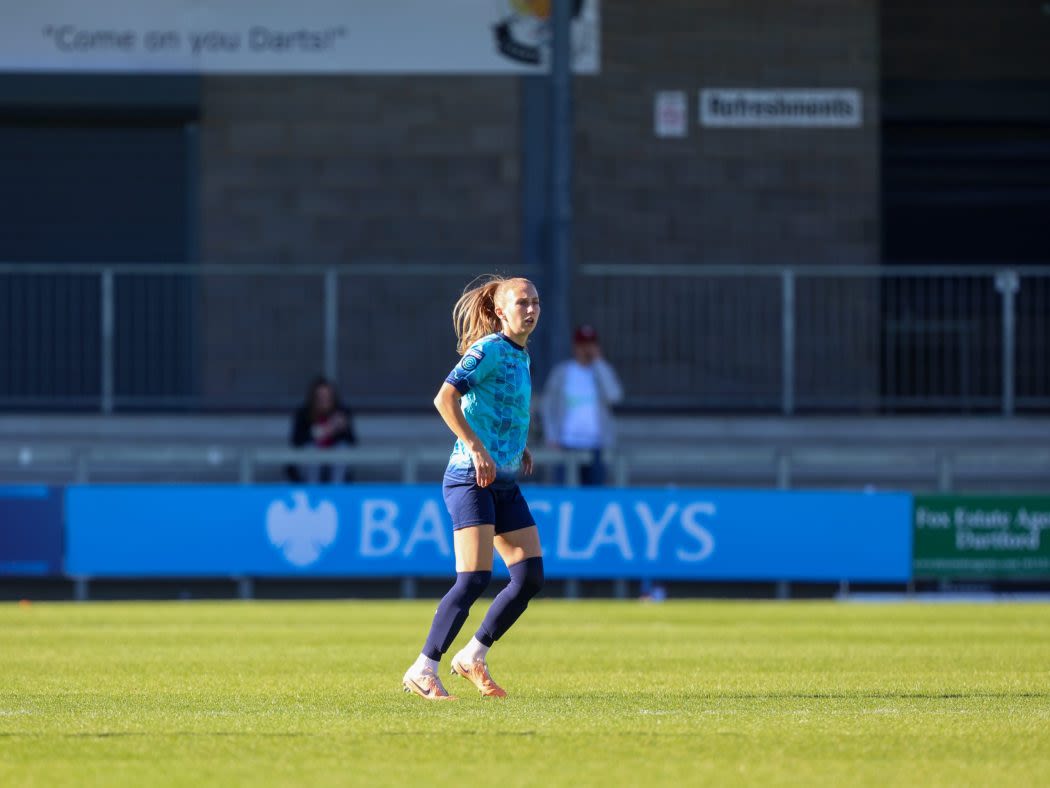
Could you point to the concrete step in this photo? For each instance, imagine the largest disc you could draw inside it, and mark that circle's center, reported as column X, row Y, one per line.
column 427, row 429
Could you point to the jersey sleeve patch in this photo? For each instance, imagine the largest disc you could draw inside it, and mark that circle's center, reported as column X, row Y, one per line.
column 469, row 371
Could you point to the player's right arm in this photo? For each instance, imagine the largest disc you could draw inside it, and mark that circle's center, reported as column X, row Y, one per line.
column 472, row 369
column 448, row 405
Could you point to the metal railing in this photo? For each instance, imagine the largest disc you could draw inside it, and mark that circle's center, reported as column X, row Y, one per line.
column 223, row 337
column 769, row 466
column 862, row 339
column 827, row 338
column 82, row 464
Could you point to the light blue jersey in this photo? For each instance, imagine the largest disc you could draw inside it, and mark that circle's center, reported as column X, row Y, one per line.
column 493, row 377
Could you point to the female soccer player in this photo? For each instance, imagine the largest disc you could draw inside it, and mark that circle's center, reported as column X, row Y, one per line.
column 485, row 402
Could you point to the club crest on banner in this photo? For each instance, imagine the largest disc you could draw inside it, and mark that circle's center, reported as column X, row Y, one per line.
column 523, row 29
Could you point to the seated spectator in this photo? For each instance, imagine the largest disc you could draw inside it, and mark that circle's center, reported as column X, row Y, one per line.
column 321, row 422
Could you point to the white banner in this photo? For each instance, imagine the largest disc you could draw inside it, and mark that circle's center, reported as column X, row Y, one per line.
column 290, row 36
column 730, row 107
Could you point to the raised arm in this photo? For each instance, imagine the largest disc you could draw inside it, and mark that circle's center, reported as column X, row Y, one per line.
column 608, row 381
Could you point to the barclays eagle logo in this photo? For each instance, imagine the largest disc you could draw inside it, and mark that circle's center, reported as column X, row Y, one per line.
column 300, row 532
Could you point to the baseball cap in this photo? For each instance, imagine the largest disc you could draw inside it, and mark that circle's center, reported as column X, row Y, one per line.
column 585, row 333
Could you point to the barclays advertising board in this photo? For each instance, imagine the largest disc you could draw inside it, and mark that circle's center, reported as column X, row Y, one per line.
column 381, row 530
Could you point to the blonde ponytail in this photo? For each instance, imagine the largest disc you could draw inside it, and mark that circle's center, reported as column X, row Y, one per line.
column 474, row 315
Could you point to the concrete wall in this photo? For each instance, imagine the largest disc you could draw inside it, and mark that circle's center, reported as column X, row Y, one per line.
column 345, row 169
column 339, row 169
column 728, row 195
column 754, row 196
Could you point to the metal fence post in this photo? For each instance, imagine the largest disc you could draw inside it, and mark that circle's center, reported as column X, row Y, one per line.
column 81, row 466
column 331, row 323
column 558, row 282
column 1008, row 283
column 783, row 463
column 409, row 588
column 572, row 470
column 410, row 468
column 108, row 319
column 247, row 468
column 944, row 472
column 787, row 333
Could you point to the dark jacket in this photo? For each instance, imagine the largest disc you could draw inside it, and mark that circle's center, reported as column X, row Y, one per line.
column 302, row 436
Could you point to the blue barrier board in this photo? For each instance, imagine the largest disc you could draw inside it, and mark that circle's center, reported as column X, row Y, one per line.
column 30, row 531
column 382, row 530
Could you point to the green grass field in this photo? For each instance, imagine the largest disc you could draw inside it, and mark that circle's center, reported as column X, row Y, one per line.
column 602, row 693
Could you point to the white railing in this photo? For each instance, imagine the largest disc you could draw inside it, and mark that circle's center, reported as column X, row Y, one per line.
column 782, row 339
column 942, row 469
column 832, row 338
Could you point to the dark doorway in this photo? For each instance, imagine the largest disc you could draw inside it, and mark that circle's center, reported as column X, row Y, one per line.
column 964, row 194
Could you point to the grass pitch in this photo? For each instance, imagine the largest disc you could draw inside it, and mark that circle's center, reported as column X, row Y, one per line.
column 602, row 693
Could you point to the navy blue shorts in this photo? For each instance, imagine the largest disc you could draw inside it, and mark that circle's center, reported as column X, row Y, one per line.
column 499, row 504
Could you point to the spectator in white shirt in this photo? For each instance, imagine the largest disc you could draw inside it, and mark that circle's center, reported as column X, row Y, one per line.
column 577, row 404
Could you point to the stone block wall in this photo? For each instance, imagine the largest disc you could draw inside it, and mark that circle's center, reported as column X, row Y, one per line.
column 403, row 169
column 728, row 195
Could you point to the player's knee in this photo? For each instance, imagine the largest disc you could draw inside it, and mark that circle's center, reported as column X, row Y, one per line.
column 532, row 581
column 472, row 585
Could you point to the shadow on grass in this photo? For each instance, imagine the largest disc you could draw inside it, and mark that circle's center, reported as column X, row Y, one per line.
column 132, row 734
column 808, row 695
column 202, row 734
column 886, row 695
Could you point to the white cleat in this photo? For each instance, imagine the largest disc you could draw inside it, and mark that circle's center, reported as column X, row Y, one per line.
column 426, row 685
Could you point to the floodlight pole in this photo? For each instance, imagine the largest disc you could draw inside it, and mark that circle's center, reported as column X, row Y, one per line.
column 558, row 297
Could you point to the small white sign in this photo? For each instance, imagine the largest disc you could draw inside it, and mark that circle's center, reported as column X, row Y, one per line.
column 671, row 113
column 791, row 107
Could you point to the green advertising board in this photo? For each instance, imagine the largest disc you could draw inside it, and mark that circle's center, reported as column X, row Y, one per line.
column 989, row 537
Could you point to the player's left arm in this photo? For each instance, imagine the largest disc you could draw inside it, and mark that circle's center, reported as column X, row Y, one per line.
column 526, row 462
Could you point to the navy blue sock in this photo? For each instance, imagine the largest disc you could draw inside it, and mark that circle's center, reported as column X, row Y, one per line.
column 526, row 580
column 453, row 610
